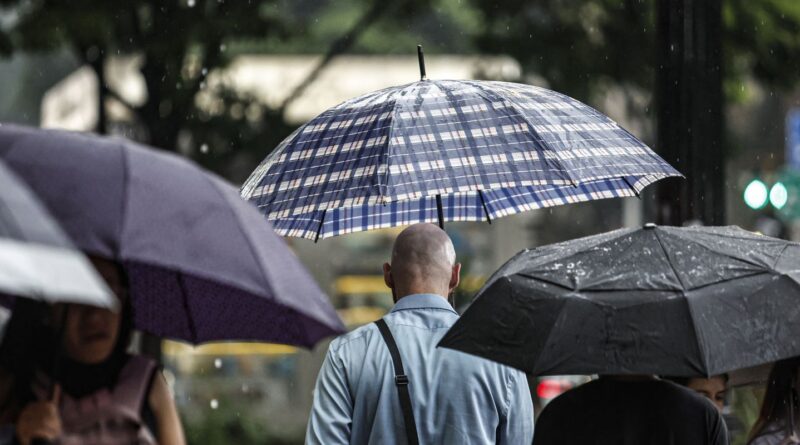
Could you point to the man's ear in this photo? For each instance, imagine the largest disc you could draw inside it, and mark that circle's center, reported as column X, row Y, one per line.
column 387, row 275
column 455, row 278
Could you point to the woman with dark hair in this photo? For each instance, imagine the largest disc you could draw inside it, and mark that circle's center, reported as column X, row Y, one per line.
column 713, row 388
column 777, row 421
column 66, row 376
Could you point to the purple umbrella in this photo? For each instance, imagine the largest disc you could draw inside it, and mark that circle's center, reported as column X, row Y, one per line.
column 202, row 264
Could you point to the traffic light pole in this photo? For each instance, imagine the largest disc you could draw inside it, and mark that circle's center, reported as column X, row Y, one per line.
column 690, row 116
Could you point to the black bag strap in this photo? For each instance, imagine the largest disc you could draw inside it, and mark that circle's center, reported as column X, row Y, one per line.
column 401, row 381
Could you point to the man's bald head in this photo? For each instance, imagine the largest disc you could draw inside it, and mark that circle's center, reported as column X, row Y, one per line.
column 423, row 261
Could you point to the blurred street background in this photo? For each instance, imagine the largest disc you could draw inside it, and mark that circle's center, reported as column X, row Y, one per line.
column 713, row 87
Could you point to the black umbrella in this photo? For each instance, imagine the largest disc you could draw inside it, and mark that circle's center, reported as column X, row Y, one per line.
column 658, row 300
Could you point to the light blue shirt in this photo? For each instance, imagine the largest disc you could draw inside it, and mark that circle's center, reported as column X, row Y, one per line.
column 457, row 398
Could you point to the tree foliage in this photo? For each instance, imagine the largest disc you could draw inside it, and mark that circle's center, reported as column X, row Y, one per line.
column 579, row 46
column 181, row 41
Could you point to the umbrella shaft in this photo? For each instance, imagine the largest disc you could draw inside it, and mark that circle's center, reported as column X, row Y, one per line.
column 421, row 56
column 440, row 211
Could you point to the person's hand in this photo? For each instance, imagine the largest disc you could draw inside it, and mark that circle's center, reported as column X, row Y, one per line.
column 40, row 420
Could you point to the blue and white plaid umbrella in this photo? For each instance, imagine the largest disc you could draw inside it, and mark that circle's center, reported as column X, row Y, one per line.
column 446, row 150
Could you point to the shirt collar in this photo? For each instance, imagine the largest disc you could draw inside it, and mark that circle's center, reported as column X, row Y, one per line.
column 423, row 301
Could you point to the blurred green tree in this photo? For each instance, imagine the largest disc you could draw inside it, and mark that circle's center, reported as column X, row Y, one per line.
column 688, row 58
column 580, row 46
column 180, row 42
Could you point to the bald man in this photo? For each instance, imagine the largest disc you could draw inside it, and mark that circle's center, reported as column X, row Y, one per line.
column 454, row 398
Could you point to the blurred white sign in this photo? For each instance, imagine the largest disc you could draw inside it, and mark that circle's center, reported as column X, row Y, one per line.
column 72, row 103
column 273, row 78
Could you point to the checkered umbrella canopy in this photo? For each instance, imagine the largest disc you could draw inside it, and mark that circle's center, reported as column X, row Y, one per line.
column 455, row 150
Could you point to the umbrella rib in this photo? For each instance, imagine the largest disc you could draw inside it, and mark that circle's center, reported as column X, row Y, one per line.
column 487, row 95
column 6, row 215
column 701, row 349
column 743, row 259
column 544, row 280
column 124, row 201
column 470, row 142
column 669, row 260
column 739, row 277
column 559, row 318
column 186, row 308
column 485, row 209
column 625, row 178
column 261, row 266
column 778, row 257
column 389, row 140
column 321, row 222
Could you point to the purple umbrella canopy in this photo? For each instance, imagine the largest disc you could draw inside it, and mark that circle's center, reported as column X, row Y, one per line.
column 202, row 264
column 37, row 260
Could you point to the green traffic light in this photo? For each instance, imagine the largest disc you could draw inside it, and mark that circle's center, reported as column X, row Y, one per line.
column 778, row 195
column 756, row 194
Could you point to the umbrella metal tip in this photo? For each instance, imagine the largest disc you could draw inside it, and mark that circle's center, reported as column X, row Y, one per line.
column 648, row 226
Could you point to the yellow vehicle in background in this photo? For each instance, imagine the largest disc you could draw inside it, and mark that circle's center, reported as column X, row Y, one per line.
column 362, row 299
column 358, row 299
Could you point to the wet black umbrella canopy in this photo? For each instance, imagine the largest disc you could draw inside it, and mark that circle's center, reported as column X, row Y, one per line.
column 656, row 300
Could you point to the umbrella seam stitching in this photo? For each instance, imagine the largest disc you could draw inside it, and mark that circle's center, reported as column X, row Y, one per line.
column 669, row 261
column 389, row 139
column 485, row 94
column 779, row 256
column 715, row 283
column 187, row 309
column 533, row 364
column 123, row 204
column 250, row 242
column 702, row 244
column 701, row 349
column 477, row 174
column 262, row 268
column 700, row 343
column 544, row 280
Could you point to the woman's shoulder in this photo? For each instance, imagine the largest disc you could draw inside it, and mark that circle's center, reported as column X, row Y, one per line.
column 139, row 360
column 137, row 367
